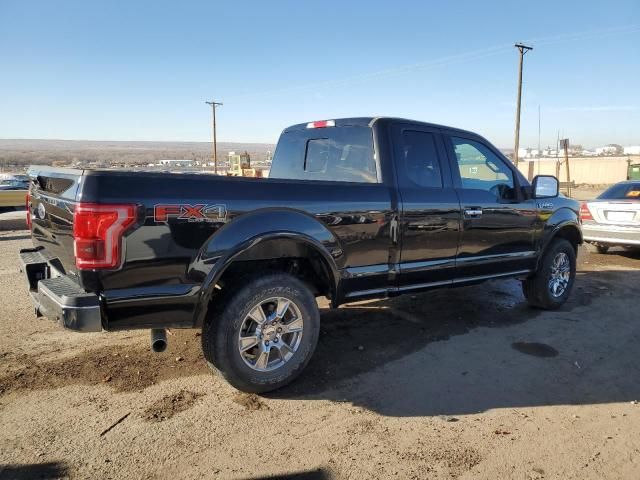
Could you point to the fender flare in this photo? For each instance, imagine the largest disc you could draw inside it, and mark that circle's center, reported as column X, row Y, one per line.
column 560, row 220
column 328, row 250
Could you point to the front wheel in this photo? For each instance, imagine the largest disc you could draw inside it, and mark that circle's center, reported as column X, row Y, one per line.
column 602, row 249
column 552, row 283
column 265, row 334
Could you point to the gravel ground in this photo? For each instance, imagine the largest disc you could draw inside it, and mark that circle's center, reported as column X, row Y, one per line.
column 461, row 383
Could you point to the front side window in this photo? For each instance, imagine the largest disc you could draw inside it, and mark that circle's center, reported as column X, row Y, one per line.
column 481, row 169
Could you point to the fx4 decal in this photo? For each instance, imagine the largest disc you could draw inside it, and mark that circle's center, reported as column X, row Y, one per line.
column 191, row 213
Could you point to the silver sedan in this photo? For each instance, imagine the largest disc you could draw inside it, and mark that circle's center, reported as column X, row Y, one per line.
column 613, row 219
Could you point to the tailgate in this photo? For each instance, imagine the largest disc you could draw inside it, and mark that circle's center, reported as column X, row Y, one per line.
column 53, row 195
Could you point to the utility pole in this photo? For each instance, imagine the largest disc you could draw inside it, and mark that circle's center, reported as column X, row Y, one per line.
column 539, row 152
column 522, row 49
column 564, row 143
column 214, row 147
column 558, row 155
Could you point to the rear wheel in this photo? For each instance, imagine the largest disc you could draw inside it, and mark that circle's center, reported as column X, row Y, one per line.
column 265, row 335
column 602, row 249
column 552, row 283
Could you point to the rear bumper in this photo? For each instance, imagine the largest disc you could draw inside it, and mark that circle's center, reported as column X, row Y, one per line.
column 56, row 296
column 611, row 235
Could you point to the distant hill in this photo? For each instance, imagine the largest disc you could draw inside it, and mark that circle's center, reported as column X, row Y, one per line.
column 18, row 152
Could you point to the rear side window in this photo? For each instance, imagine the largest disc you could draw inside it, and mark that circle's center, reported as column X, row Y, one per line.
column 622, row 191
column 421, row 159
column 342, row 154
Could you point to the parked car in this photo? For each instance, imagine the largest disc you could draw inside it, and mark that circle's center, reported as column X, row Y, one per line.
column 354, row 208
column 13, row 192
column 613, row 218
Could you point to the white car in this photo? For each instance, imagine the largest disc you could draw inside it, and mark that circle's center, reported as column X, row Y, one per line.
column 613, row 219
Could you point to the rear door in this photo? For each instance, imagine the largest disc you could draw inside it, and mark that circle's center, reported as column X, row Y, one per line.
column 498, row 225
column 430, row 211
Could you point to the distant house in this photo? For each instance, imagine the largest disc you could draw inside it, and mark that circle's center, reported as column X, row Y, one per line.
column 549, row 152
column 528, row 153
column 611, row 149
column 633, row 150
column 177, row 163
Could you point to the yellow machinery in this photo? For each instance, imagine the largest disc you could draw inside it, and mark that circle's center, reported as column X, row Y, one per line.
column 240, row 166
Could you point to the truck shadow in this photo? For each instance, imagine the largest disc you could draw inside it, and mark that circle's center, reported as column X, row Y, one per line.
column 50, row 470
column 317, row 474
column 471, row 349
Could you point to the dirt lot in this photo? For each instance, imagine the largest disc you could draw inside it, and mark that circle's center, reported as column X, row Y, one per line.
column 464, row 383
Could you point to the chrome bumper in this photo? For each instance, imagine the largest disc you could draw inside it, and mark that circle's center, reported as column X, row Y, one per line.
column 610, row 235
column 58, row 297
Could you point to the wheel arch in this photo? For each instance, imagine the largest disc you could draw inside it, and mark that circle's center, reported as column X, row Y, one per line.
column 563, row 224
column 280, row 240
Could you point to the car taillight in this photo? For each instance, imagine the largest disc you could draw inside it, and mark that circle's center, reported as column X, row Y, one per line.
column 97, row 234
column 585, row 213
column 28, row 205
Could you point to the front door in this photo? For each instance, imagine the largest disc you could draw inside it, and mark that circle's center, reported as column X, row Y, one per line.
column 430, row 212
column 498, row 223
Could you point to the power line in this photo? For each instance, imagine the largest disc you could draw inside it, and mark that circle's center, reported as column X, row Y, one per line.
column 462, row 57
column 214, row 147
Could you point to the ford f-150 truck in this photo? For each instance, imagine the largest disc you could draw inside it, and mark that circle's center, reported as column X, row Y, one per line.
column 353, row 208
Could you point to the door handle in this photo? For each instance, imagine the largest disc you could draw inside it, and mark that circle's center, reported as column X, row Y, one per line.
column 393, row 230
column 473, row 212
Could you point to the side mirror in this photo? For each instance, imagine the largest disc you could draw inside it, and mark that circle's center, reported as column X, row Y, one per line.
column 545, row 186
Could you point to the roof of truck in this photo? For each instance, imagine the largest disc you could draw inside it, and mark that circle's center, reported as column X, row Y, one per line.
column 369, row 121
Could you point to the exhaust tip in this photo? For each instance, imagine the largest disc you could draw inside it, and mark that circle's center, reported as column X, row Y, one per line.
column 158, row 340
column 159, row 346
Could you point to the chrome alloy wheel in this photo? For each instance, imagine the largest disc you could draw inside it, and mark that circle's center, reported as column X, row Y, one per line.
column 270, row 334
column 560, row 274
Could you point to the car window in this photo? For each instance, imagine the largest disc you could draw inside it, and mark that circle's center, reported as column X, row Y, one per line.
column 481, row 169
column 421, row 159
column 339, row 154
column 621, row 191
column 317, row 156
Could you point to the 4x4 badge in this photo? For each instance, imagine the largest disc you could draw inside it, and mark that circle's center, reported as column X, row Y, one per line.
column 191, row 213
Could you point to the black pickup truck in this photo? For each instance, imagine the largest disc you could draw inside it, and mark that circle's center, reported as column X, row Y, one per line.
column 353, row 208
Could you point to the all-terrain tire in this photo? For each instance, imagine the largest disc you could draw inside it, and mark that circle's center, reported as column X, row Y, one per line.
column 536, row 289
column 222, row 326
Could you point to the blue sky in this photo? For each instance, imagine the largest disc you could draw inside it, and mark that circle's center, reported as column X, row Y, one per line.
column 136, row 70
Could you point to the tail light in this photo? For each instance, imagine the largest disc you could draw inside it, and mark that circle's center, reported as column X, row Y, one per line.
column 27, row 202
column 97, row 234
column 585, row 213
